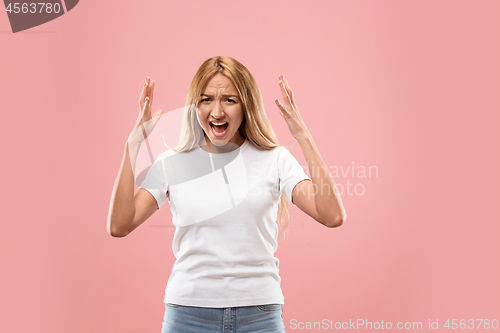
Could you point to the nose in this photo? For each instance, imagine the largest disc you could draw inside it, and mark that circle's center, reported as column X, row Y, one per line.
column 217, row 111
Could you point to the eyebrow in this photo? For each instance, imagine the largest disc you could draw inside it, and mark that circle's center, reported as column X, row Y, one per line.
column 222, row 95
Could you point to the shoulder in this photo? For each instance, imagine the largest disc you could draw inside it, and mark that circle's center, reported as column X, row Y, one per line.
column 280, row 157
column 253, row 147
column 260, row 153
column 286, row 157
column 169, row 153
column 285, row 152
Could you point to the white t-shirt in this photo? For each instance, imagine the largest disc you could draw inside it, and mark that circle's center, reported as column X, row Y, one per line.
column 224, row 208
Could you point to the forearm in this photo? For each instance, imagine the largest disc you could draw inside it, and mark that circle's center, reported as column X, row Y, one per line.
column 326, row 196
column 122, row 207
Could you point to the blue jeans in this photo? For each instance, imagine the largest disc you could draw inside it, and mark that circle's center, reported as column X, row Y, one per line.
column 189, row 319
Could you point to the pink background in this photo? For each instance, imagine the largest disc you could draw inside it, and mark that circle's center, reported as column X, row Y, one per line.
column 410, row 87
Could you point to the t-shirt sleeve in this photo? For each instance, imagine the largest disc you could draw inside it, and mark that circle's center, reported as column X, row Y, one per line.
column 290, row 173
column 156, row 181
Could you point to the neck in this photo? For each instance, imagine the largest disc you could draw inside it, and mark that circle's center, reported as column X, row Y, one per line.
column 222, row 147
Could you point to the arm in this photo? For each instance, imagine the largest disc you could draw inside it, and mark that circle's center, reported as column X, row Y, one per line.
column 318, row 198
column 128, row 210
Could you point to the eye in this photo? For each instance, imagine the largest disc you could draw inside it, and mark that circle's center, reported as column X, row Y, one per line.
column 231, row 100
column 205, row 100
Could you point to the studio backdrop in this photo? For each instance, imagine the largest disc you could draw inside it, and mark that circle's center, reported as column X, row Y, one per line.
column 400, row 97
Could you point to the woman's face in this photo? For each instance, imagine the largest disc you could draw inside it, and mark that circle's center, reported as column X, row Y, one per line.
column 220, row 104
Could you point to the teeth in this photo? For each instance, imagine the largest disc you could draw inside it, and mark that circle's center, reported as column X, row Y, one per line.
column 217, row 124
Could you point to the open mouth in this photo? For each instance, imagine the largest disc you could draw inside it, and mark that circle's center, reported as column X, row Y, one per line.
column 219, row 129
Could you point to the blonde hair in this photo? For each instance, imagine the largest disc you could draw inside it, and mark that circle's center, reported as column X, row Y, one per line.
column 255, row 125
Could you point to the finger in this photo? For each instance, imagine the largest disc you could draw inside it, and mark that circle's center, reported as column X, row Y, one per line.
column 157, row 117
column 286, row 97
column 152, row 91
column 158, row 113
column 146, row 110
column 148, row 94
column 288, row 89
column 281, row 108
column 144, row 91
column 293, row 105
column 148, row 86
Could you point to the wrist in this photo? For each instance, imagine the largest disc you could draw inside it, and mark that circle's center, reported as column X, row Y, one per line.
column 135, row 138
column 303, row 137
column 134, row 143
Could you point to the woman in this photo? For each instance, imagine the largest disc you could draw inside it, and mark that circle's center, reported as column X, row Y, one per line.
column 226, row 182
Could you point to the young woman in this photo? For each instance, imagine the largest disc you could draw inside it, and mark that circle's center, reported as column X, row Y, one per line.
column 226, row 183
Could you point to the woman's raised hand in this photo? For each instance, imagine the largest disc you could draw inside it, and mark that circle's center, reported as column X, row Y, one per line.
column 145, row 123
column 290, row 111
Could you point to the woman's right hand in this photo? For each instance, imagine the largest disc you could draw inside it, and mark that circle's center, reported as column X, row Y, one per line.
column 145, row 123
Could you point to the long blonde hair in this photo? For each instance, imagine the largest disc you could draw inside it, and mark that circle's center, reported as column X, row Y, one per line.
column 255, row 125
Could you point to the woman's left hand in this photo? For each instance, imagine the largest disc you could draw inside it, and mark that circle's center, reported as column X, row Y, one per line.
column 290, row 111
